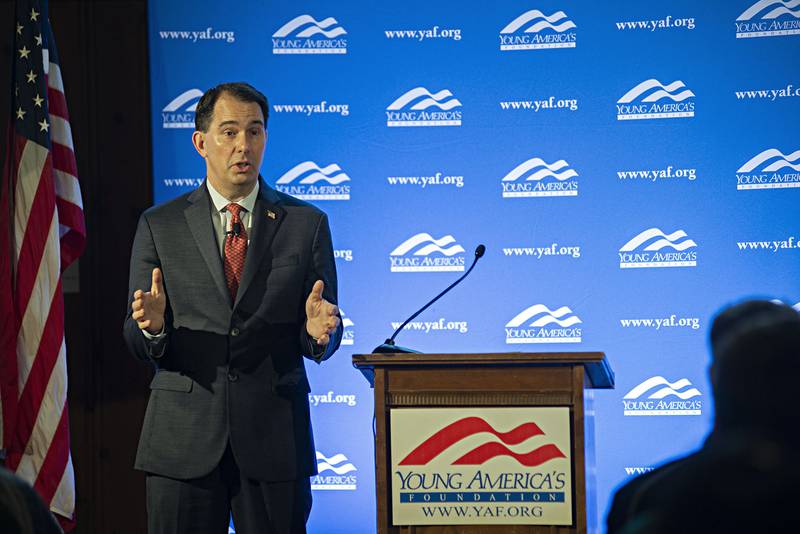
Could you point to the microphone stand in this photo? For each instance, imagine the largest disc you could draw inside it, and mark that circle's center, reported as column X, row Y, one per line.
column 388, row 346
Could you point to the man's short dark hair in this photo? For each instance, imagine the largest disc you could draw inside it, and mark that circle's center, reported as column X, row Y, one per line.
column 755, row 361
column 241, row 91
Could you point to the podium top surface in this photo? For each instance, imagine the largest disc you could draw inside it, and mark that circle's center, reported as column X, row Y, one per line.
column 597, row 368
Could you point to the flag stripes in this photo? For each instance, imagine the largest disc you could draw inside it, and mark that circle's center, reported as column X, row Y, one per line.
column 42, row 228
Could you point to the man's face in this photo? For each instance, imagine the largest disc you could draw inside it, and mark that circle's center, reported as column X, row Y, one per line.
column 233, row 146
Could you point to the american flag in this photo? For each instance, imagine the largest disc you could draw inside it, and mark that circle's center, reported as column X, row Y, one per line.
column 41, row 233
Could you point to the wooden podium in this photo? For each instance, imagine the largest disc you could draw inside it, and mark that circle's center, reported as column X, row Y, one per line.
column 507, row 380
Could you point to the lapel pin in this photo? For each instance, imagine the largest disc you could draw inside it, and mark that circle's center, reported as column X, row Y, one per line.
column 271, row 214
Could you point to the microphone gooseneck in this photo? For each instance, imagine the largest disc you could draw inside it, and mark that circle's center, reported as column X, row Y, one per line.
column 480, row 250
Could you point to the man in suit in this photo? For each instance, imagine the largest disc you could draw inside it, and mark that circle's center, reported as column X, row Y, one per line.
column 745, row 477
column 230, row 286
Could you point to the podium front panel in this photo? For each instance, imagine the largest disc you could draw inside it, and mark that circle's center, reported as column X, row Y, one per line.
column 421, row 404
column 481, row 466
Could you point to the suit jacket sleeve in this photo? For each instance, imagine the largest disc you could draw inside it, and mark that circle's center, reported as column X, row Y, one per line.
column 323, row 267
column 144, row 258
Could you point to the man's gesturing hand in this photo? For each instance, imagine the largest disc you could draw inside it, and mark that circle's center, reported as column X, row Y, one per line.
column 148, row 308
column 321, row 316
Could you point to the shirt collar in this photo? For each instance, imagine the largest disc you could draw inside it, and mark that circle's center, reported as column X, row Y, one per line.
column 220, row 202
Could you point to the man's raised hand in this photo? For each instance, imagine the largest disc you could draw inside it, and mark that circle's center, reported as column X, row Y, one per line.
column 148, row 308
column 322, row 317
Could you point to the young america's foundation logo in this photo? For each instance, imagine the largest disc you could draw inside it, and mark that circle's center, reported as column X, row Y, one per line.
column 450, row 435
column 334, row 473
column 423, row 253
column 483, row 465
column 648, row 250
column 771, row 169
column 534, row 30
column 420, row 107
column 305, row 35
column 348, row 334
column 540, row 324
column 769, row 18
column 664, row 398
column 309, row 181
column 653, row 100
column 537, row 178
column 180, row 112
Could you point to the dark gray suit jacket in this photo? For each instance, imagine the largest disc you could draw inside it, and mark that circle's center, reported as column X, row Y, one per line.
column 741, row 481
column 231, row 371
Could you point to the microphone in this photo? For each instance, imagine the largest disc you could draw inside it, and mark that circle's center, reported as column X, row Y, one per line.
column 389, row 346
column 236, row 229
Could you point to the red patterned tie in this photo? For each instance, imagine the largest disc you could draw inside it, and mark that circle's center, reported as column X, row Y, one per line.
column 235, row 250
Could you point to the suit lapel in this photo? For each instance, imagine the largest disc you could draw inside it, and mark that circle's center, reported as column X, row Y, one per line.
column 198, row 216
column 267, row 217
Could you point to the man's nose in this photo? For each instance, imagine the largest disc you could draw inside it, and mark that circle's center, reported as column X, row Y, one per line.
column 243, row 142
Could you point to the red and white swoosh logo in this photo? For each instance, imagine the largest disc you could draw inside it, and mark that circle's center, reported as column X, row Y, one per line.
column 468, row 426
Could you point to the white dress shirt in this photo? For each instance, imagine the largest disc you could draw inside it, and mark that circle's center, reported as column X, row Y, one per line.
column 222, row 217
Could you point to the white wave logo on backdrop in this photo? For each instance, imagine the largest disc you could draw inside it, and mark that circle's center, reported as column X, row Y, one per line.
column 335, row 463
column 179, row 113
column 769, row 18
column 334, row 473
column 779, row 301
column 537, row 178
column 305, row 35
column 424, row 253
column 540, row 324
column 771, row 169
column 413, row 108
column 534, row 30
column 653, row 100
column 638, row 402
column 634, row 254
column 309, row 181
column 348, row 335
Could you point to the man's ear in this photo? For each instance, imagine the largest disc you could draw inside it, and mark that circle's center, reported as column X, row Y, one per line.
column 712, row 375
column 199, row 142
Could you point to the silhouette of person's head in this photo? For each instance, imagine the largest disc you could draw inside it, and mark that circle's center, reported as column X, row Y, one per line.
column 744, row 478
column 755, row 365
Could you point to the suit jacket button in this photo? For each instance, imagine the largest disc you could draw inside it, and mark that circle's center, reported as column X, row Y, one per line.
column 233, row 377
column 234, row 331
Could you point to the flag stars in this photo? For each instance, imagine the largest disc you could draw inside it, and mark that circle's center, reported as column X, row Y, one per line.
column 19, row 28
column 31, row 76
column 43, row 126
column 37, row 101
column 21, row 113
column 38, row 39
column 24, row 52
column 34, row 15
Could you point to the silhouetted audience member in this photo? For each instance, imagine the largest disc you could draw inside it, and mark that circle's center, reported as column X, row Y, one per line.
column 746, row 476
column 21, row 509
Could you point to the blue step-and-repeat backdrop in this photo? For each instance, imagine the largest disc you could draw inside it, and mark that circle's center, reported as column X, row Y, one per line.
column 630, row 166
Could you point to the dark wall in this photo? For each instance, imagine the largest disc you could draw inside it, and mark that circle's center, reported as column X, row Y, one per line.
column 103, row 51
